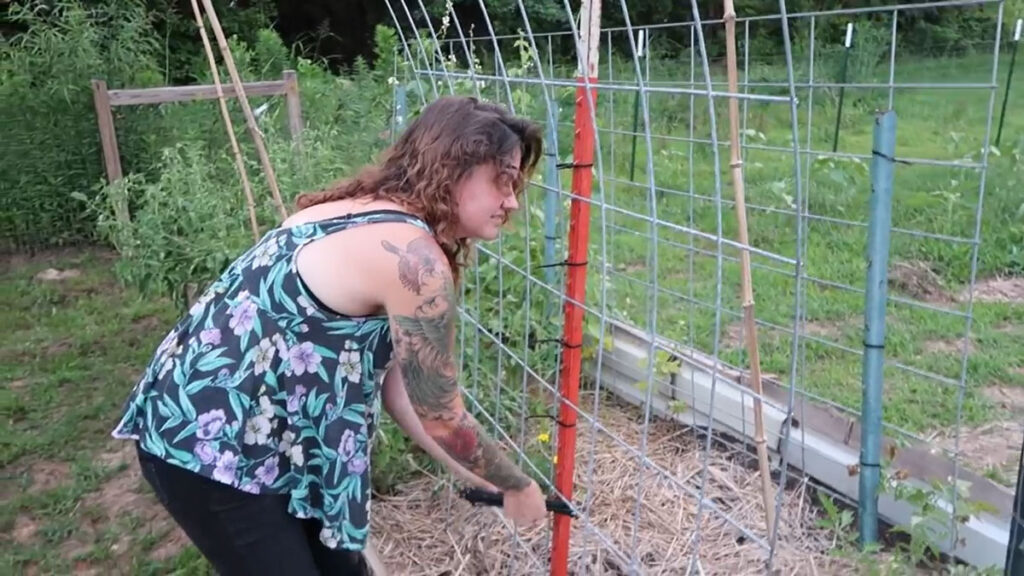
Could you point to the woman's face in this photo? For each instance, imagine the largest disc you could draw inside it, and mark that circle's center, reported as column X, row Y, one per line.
column 487, row 198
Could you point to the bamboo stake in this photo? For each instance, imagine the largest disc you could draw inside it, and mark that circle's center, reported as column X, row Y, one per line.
column 239, row 164
column 250, row 120
column 749, row 327
column 369, row 552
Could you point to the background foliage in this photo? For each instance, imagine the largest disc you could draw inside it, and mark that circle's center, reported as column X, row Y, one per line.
column 52, row 49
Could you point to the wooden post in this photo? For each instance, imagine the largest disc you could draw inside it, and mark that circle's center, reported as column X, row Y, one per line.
column 291, row 95
column 108, row 137
column 108, row 144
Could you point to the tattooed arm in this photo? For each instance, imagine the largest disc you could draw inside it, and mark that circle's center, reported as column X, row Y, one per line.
column 396, row 403
column 421, row 309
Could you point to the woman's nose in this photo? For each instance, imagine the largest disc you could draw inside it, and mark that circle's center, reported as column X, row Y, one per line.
column 511, row 203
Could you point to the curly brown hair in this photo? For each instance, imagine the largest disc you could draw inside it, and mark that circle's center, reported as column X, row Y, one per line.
column 442, row 145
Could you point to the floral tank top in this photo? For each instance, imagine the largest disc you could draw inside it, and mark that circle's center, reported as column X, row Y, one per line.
column 262, row 387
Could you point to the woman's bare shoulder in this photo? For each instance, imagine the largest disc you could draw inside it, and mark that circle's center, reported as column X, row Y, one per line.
column 338, row 208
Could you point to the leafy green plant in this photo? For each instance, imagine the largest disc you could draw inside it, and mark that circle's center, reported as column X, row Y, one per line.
column 50, row 146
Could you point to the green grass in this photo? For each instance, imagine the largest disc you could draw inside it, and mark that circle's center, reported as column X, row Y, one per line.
column 71, row 349
column 930, row 206
column 933, row 124
column 69, row 355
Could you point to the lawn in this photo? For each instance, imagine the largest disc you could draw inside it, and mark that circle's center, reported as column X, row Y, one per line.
column 72, row 347
column 933, row 217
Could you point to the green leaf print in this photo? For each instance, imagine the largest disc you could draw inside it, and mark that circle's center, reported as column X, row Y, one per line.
column 187, row 409
column 354, row 489
column 179, row 373
column 154, row 444
column 186, row 459
column 337, row 474
column 212, row 360
column 353, row 532
column 236, row 406
column 197, row 385
column 186, row 432
column 278, row 274
column 355, row 413
column 313, row 405
column 162, row 408
column 264, row 299
column 324, row 353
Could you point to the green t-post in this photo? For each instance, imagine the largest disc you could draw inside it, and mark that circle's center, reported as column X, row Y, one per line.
column 879, row 227
column 1009, row 78
column 842, row 82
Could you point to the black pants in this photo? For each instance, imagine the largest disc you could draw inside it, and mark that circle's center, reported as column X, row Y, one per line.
column 241, row 533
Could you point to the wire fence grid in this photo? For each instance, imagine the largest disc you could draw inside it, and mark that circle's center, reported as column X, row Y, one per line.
column 663, row 262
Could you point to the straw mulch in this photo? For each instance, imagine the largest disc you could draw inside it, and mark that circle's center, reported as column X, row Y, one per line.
column 428, row 530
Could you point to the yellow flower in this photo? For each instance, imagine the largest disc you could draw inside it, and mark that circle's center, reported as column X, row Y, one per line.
column 543, row 437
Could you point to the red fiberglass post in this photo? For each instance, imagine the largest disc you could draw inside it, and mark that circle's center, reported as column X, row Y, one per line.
column 576, row 276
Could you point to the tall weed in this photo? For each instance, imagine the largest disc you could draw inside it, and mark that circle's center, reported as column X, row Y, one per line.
column 50, row 146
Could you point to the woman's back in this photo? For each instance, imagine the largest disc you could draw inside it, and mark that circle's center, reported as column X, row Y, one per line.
column 343, row 269
column 270, row 385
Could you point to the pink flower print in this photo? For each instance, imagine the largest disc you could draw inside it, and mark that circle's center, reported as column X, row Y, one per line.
column 205, row 452
column 267, row 472
column 210, row 336
column 210, row 424
column 264, row 356
column 306, row 305
column 357, row 465
column 329, row 537
column 347, row 446
column 250, row 487
column 166, row 341
column 303, row 358
column 242, row 317
column 350, row 365
column 264, row 255
column 227, row 464
column 257, row 430
column 295, row 400
column 282, row 347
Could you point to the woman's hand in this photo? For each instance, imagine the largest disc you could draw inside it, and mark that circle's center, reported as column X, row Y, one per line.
column 526, row 508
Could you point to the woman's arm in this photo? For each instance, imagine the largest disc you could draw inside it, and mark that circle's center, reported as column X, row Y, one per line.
column 396, row 402
column 419, row 295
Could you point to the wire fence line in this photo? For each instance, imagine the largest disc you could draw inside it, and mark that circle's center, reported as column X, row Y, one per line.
column 662, row 262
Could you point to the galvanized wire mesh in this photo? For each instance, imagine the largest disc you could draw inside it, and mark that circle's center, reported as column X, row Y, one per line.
column 663, row 263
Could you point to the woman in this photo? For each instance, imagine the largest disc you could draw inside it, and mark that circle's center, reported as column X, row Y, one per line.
column 254, row 417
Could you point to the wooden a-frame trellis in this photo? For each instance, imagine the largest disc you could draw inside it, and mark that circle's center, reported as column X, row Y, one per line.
column 104, row 100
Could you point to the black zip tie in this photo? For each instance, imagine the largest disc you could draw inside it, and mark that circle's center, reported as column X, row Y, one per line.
column 890, row 158
column 556, row 341
column 553, row 418
column 563, row 263
column 573, row 165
